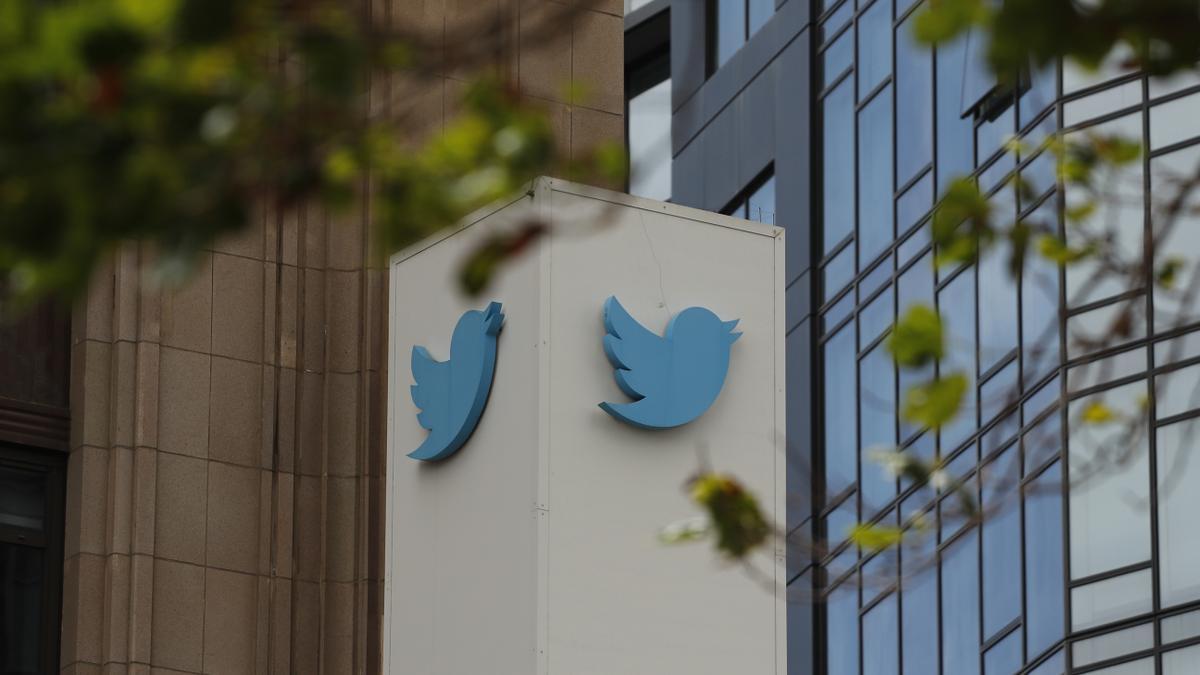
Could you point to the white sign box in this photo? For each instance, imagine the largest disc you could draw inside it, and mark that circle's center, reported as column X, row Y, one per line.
column 533, row 549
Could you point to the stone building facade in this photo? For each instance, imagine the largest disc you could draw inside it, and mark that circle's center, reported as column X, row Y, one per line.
column 223, row 474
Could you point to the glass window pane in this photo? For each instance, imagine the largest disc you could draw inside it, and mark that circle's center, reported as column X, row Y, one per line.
column 22, row 498
column 1004, row 657
column 1039, row 175
column 957, row 305
column 876, row 317
column 1178, row 237
column 760, row 12
column 1044, row 440
column 650, row 142
column 1185, row 79
column 838, row 525
column 1102, row 103
column 761, row 205
column 837, row 57
column 841, row 396
column 1178, row 504
column 875, row 193
column 1039, row 306
column 975, row 75
column 1177, row 391
column 1001, row 543
column 998, row 295
column 838, row 272
column 881, row 640
column 913, row 205
column 838, row 164
column 875, row 279
column 1124, row 215
column 1093, row 329
column 21, row 577
column 991, row 137
column 914, row 104
column 1111, row 600
column 1110, row 485
column 1174, row 122
column 919, row 604
column 1077, row 76
column 1038, row 97
column 1044, row 612
column 841, row 641
column 730, row 28
column 1181, row 661
column 838, row 19
column 878, row 418
column 1112, row 645
column 874, row 46
column 1183, row 347
column 960, row 606
column 998, row 394
column 1180, row 627
column 955, row 133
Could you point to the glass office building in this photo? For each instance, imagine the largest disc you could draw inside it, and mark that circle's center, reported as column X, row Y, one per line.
column 825, row 118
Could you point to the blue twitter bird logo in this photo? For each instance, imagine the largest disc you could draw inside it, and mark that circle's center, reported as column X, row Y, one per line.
column 452, row 394
column 675, row 377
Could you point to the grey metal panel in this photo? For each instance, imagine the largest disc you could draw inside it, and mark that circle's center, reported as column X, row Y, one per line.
column 688, row 50
column 793, row 166
column 618, row 601
column 800, row 392
column 800, row 629
column 799, row 300
column 461, row 534
column 692, row 114
column 533, row 547
column 721, row 160
column 643, row 13
column 756, row 125
column 687, row 175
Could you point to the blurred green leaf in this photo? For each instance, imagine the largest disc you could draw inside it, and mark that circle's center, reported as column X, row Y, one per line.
column 1055, row 249
column 1097, row 412
column 961, row 223
column 1166, row 275
column 936, row 402
column 916, row 339
column 942, row 20
column 876, row 538
column 733, row 513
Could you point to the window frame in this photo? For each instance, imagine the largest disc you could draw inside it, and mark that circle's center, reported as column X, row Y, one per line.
column 53, row 465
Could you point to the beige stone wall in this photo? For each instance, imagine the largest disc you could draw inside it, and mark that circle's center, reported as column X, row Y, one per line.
column 224, row 509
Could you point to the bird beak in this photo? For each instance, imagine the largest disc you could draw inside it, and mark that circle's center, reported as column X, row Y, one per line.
column 493, row 318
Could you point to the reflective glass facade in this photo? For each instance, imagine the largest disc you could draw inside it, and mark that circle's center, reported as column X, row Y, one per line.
column 1072, row 569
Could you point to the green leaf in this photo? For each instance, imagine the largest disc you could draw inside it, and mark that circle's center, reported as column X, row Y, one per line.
column 733, row 513
column 1168, row 272
column 961, row 223
column 1097, row 412
column 1055, row 249
column 943, row 20
column 876, row 538
column 916, row 339
column 936, row 402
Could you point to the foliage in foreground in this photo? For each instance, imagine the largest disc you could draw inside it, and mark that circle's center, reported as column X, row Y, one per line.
column 175, row 122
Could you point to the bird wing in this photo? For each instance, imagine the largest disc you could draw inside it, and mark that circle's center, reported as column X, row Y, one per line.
column 431, row 376
column 640, row 356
